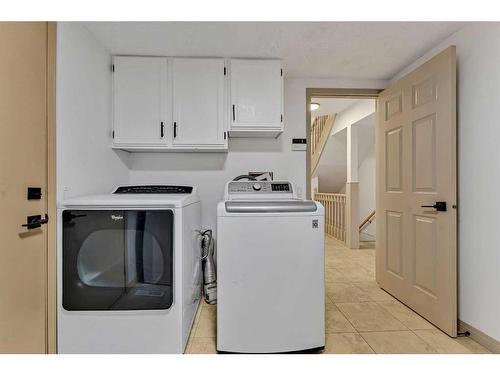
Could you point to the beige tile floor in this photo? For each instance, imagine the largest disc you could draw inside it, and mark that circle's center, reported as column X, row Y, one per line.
column 360, row 317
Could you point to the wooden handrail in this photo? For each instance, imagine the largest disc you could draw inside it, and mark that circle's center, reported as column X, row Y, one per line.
column 335, row 213
column 317, row 129
column 320, row 132
column 368, row 220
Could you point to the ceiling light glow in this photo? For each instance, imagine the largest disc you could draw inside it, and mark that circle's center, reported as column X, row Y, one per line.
column 314, row 106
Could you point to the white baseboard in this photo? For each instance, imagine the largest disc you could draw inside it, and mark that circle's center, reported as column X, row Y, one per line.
column 482, row 338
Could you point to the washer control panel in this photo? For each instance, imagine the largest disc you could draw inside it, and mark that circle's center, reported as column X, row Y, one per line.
column 259, row 187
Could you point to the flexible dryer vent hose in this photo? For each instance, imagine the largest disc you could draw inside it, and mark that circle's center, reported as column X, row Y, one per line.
column 208, row 266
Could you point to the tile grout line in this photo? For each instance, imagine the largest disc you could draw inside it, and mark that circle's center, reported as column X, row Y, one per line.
column 395, row 317
column 409, row 329
column 423, row 341
column 353, row 326
column 347, row 319
column 379, row 303
column 367, row 343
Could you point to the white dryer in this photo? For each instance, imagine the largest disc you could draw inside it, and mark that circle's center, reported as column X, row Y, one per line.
column 270, row 269
column 129, row 277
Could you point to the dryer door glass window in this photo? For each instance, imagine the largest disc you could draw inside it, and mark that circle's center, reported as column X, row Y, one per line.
column 117, row 260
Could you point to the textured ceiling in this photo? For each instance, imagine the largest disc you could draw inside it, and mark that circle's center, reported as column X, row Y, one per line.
column 376, row 50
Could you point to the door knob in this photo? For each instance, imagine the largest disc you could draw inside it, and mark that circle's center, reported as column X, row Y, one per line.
column 35, row 221
column 439, row 206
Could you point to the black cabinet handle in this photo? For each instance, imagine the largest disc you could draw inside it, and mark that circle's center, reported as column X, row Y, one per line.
column 439, row 206
column 175, row 129
column 35, row 221
column 162, row 129
column 234, row 114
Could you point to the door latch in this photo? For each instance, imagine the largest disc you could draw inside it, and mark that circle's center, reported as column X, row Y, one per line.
column 439, row 206
column 35, row 221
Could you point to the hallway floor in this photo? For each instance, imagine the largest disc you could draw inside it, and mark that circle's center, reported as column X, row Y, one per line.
column 360, row 317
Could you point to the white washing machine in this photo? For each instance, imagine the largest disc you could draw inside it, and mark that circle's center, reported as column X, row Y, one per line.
column 270, row 270
column 129, row 276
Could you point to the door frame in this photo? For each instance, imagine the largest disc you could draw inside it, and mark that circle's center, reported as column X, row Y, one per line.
column 51, row 295
column 339, row 93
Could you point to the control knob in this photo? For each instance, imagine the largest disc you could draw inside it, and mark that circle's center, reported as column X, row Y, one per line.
column 257, row 186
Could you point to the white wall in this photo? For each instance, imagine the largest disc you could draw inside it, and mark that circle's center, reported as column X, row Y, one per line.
column 366, row 175
column 360, row 109
column 366, row 172
column 210, row 172
column 314, row 184
column 332, row 168
column 478, row 60
column 334, row 161
column 85, row 162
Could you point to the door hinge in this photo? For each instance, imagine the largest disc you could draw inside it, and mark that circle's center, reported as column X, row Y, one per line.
column 282, row 72
column 281, row 118
column 175, row 129
column 112, row 67
column 224, row 135
column 113, row 134
column 224, row 70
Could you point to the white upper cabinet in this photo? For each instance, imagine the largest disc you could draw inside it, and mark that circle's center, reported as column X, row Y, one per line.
column 199, row 103
column 169, row 104
column 188, row 104
column 140, row 101
column 256, row 98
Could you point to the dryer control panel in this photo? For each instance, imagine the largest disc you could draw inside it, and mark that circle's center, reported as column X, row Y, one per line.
column 153, row 189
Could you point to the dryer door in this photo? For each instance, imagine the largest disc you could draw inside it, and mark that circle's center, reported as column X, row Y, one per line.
column 117, row 259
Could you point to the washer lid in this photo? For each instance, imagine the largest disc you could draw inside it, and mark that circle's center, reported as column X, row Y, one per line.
column 134, row 200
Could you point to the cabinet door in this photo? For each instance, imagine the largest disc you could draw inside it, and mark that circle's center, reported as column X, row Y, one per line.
column 198, row 102
column 256, row 93
column 140, row 100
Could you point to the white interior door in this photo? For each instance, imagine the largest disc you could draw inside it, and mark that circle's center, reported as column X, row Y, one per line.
column 140, row 100
column 416, row 168
column 256, row 93
column 198, row 109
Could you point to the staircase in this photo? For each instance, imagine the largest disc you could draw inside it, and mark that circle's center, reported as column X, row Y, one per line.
column 335, row 214
column 320, row 131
